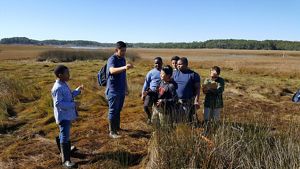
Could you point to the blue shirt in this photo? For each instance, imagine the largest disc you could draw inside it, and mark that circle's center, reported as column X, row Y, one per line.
column 63, row 101
column 116, row 83
column 186, row 81
column 152, row 80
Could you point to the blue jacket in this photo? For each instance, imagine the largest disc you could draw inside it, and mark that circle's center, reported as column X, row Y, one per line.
column 63, row 101
column 152, row 80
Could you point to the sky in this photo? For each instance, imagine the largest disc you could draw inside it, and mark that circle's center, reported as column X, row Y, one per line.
column 150, row 20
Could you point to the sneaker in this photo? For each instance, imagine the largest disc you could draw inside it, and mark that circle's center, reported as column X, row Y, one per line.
column 69, row 164
column 114, row 135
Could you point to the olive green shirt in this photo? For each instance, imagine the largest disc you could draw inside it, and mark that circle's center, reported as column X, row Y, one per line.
column 214, row 97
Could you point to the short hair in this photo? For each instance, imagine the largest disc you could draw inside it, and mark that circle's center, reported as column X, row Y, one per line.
column 217, row 69
column 184, row 60
column 168, row 70
column 158, row 58
column 120, row 44
column 175, row 58
column 60, row 69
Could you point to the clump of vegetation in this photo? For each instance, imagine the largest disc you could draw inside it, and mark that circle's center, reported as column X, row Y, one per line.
column 13, row 91
column 73, row 55
column 230, row 146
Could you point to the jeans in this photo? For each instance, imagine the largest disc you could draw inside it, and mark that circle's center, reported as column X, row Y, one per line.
column 64, row 131
column 115, row 105
column 212, row 114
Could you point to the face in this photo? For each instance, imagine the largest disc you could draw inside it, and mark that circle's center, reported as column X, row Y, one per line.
column 121, row 52
column 213, row 73
column 157, row 64
column 164, row 76
column 181, row 66
column 174, row 64
column 65, row 76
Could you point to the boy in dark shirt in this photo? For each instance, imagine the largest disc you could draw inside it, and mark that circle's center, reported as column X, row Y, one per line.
column 167, row 98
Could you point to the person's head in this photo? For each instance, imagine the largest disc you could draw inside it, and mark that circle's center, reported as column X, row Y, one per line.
column 120, row 49
column 182, row 63
column 174, row 60
column 215, row 72
column 62, row 72
column 158, row 63
column 166, row 73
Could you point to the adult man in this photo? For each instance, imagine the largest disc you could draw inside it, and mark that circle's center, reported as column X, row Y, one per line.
column 188, row 91
column 150, row 86
column 116, row 87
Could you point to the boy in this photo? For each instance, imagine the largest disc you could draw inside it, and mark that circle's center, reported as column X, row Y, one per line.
column 151, row 83
column 213, row 88
column 174, row 60
column 167, row 98
column 64, row 111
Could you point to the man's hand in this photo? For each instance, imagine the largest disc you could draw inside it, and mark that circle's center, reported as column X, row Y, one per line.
column 128, row 66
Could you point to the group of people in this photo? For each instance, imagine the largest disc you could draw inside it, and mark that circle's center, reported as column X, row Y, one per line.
column 171, row 95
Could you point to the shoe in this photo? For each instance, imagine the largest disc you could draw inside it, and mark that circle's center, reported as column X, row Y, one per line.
column 113, row 130
column 66, row 155
column 72, row 148
column 69, row 164
column 114, row 135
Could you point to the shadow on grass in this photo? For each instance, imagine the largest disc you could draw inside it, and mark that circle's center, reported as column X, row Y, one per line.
column 140, row 134
column 124, row 158
column 9, row 128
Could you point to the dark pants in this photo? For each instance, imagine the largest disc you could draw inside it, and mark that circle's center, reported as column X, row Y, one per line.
column 115, row 105
column 148, row 102
column 64, row 131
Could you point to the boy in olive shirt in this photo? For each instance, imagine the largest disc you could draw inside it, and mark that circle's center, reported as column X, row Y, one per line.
column 213, row 88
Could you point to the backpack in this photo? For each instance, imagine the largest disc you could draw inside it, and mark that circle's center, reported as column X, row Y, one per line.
column 296, row 97
column 102, row 76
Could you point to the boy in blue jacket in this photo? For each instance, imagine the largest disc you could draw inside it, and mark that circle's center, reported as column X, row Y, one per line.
column 64, row 110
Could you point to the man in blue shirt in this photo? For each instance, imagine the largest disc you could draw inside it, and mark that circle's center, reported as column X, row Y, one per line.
column 64, row 111
column 150, row 86
column 188, row 91
column 116, row 87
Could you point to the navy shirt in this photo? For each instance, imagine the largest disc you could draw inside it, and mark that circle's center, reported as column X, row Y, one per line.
column 116, row 83
column 186, row 81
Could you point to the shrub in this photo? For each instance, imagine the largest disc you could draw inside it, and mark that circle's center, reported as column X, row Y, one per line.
column 234, row 146
column 73, row 55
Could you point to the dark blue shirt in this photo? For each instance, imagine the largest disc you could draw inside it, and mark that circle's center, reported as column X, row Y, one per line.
column 116, row 83
column 186, row 81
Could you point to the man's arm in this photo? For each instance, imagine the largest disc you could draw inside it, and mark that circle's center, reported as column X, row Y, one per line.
column 197, row 87
column 117, row 70
column 197, row 97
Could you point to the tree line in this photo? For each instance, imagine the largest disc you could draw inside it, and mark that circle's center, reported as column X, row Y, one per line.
column 217, row 43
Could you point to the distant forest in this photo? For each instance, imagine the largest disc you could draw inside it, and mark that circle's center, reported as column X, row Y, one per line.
column 217, row 43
